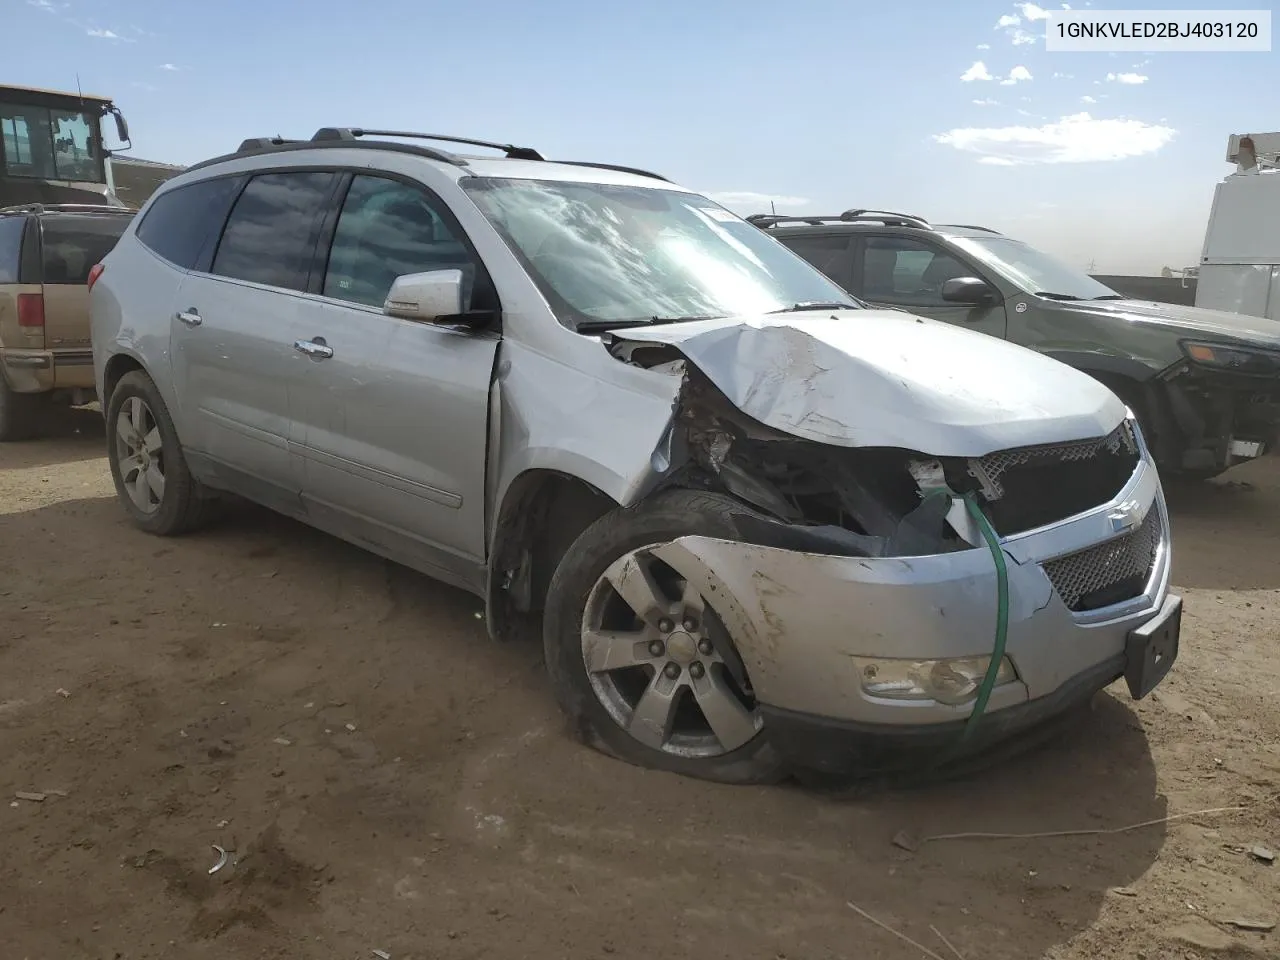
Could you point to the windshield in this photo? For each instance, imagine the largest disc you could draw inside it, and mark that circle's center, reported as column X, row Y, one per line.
column 1033, row 271
column 50, row 144
column 607, row 254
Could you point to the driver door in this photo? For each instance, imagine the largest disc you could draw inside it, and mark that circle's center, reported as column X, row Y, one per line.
column 908, row 273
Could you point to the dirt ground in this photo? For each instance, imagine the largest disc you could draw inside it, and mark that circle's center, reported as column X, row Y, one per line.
column 387, row 779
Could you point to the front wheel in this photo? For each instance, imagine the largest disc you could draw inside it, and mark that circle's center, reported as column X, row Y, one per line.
column 640, row 660
column 147, row 465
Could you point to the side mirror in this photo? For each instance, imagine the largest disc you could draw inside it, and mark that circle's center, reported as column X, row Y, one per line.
column 122, row 128
column 969, row 290
column 432, row 297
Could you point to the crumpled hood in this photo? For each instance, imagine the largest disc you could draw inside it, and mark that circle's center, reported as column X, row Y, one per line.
column 1188, row 322
column 879, row 378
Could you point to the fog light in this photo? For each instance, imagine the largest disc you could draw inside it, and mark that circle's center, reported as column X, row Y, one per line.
column 951, row 681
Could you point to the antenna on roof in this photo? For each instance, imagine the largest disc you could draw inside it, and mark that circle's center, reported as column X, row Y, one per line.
column 773, row 208
column 79, row 92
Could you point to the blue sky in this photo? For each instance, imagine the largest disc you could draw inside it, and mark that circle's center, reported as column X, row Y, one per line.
column 819, row 104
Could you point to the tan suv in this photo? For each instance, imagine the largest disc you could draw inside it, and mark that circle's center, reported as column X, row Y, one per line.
column 46, row 254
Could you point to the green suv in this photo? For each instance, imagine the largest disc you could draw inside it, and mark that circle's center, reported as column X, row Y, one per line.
column 1205, row 384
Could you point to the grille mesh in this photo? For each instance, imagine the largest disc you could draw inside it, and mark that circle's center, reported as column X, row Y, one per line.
column 992, row 467
column 1110, row 572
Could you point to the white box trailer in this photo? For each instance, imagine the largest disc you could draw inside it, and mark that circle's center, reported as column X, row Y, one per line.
column 1240, row 261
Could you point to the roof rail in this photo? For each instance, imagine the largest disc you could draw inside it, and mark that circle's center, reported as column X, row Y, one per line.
column 889, row 219
column 614, row 166
column 351, row 133
column 262, row 143
column 969, row 226
column 65, row 208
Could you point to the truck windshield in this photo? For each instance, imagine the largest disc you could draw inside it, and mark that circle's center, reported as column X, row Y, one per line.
column 1034, row 272
column 50, row 144
column 605, row 254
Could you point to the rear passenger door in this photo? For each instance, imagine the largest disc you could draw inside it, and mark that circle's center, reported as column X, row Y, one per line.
column 908, row 273
column 831, row 253
column 233, row 331
column 395, row 421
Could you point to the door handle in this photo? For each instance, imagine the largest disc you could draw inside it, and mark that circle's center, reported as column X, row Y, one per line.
column 316, row 349
column 190, row 316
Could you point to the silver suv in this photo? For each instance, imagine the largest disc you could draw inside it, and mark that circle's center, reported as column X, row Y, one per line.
column 758, row 527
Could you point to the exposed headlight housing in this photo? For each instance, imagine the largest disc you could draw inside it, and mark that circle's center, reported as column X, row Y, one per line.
column 1260, row 363
column 952, row 681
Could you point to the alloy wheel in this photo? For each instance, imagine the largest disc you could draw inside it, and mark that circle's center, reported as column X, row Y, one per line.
column 661, row 663
column 140, row 454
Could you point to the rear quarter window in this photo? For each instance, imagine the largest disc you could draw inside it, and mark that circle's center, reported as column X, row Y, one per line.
column 183, row 223
column 72, row 245
column 11, row 248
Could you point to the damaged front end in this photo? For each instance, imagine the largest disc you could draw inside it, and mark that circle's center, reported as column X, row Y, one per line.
column 852, row 563
column 872, row 501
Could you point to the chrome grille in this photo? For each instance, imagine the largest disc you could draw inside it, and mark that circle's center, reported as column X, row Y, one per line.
column 1117, row 569
column 989, row 469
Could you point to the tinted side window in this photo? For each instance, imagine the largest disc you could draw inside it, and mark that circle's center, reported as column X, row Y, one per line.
column 11, row 248
column 181, row 223
column 387, row 229
column 72, row 245
column 830, row 253
column 271, row 233
column 904, row 271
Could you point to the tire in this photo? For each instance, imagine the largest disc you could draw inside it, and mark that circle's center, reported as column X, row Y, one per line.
column 710, row 671
column 179, row 506
column 21, row 414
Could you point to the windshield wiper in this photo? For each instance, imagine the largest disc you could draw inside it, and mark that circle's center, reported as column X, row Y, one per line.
column 815, row 305
column 1112, row 296
column 587, row 326
column 1056, row 296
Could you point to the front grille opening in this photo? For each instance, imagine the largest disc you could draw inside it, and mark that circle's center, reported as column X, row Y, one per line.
column 1034, row 486
column 1109, row 573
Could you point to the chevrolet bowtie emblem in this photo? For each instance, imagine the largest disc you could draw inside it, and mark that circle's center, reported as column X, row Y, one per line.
column 1126, row 516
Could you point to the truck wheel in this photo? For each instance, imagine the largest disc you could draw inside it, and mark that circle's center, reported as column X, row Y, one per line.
column 639, row 659
column 147, row 465
column 21, row 414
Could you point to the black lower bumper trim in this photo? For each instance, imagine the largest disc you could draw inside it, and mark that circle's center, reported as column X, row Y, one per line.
column 848, row 748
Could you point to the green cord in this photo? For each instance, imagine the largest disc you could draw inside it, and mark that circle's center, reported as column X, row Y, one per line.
column 1002, row 614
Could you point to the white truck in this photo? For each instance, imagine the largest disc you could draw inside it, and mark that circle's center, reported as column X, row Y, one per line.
column 1239, row 268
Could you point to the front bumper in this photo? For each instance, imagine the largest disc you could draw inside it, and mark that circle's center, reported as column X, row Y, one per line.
column 39, row 371
column 799, row 619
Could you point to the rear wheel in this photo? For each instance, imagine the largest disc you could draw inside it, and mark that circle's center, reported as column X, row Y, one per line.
column 21, row 414
column 147, row 465
column 641, row 661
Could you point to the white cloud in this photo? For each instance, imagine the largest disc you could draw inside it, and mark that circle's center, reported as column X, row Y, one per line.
column 1032, row 12
column 1016, row 75
column 168, row 66
column 987, row 102
column 1064, row 76
column 1008, row 20
column 103, row 34
column 1022, row 38
column 984, row 46
column 997, row 161
column 1131, row 78
column 1079, row 138
column 745, row 202
column 1088, row 100
column 42, row 4
column 977, row 72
